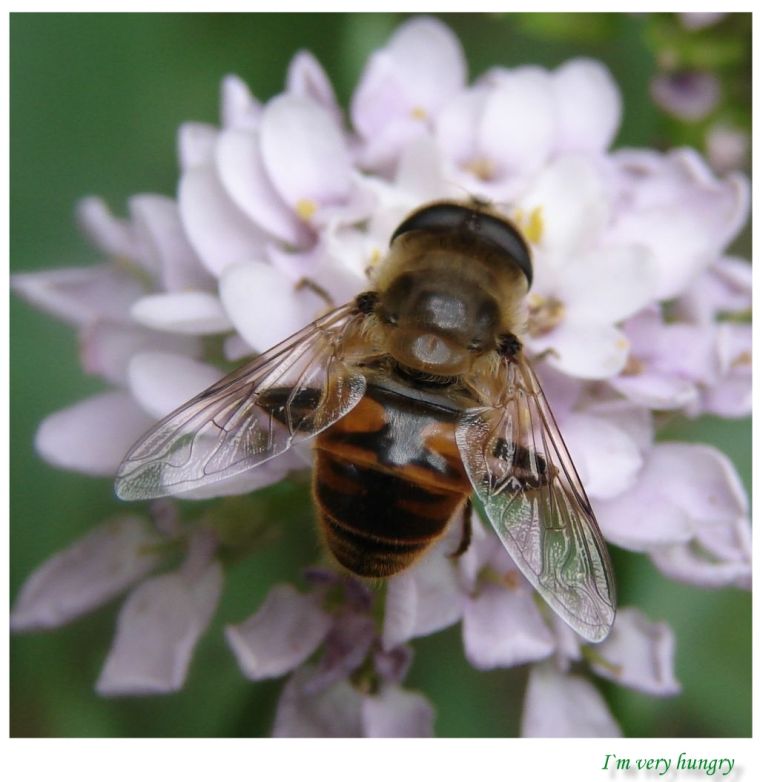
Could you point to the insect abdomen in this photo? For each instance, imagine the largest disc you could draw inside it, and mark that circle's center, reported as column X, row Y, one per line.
column 387, row 480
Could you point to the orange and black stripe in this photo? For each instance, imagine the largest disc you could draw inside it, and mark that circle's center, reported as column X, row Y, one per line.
column 388, row 479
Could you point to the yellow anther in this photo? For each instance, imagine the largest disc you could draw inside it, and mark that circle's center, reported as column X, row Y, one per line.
column 534, row 227
column 633, row 366
column 306, row 208
column 544, row 314
column 482, row 168
column 532, row 224
column 374, row 259
column 419, row 113
column 511, row 579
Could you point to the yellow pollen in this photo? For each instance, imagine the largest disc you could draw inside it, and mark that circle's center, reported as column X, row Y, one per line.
column 482, row 168
column 544, row 314
column 418, row 113
column 511, row 579
column 306, row 208
column 374, row 259
column 743, row 359
column 532, row 224
column 633, row 366
column 622, row 343
column 534, row 228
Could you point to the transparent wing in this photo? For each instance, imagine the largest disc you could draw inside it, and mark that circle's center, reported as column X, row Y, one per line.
column 521, row 471
column 288, row 394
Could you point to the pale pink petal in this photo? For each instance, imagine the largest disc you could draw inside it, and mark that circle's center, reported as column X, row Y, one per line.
column 397, row 713
column 423, row 599
column 86, row 574
column 332, row 713
column 573, row 200
column 726, row 286
column 358, row 205
column 689, row 564
column 561, row 706
column 639, row 654
column 656, row 391
column 113, row 235
column 731, row 393
column 517, row 127
column 681, row 486
column 295, row 264
column 243, row 174
column 588, row 106
column 698, row 20
column 379, row 152
column 727, row 147
column 458, row 124
column 346, row 647
column 419, row 176
column 195, row 144
column 235, row 348
column 421, row 67
column 479, row 554
column 730, row 398
column 392, row 665
column 306, row 78
column 584, row 350
column 676, row 207
column 239, row 108
column 263, row 304
column 682, row 349
column 220, row 233
column 81, row 295
column 182, row 312
column 340, row 275
column 720, row 555
column 280, row 636
column 93, row 435
column 503, row 627
column 304, row 154
column 606, row 457
column 701, row 479
column 561, row 391
column 634, row 420
column 158, row 627
column 106, row 348
column 568, row 643
column 689, row 95
column 161, row 382
column 625, row 524
column 157, row 223
column 624, row 278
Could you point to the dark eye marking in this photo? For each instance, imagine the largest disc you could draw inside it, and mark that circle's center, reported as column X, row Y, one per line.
column 487, row 228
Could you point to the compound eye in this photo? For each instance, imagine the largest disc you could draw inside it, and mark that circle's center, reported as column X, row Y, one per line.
column 455, row 219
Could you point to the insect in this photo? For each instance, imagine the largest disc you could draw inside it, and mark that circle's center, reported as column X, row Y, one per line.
column 416, row 395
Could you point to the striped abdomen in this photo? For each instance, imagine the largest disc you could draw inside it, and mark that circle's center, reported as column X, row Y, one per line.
column 388, row 479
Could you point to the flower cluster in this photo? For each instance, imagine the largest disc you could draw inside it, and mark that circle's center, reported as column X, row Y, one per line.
column 697, row 70
column 284, row 210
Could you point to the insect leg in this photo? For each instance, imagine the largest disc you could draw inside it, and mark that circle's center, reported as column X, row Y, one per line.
column 315, row 287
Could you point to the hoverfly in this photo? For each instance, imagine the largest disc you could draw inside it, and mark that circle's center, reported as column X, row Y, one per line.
column 416, row 395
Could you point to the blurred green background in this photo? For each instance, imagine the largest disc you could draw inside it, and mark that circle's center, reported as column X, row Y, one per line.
column 95, row 103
